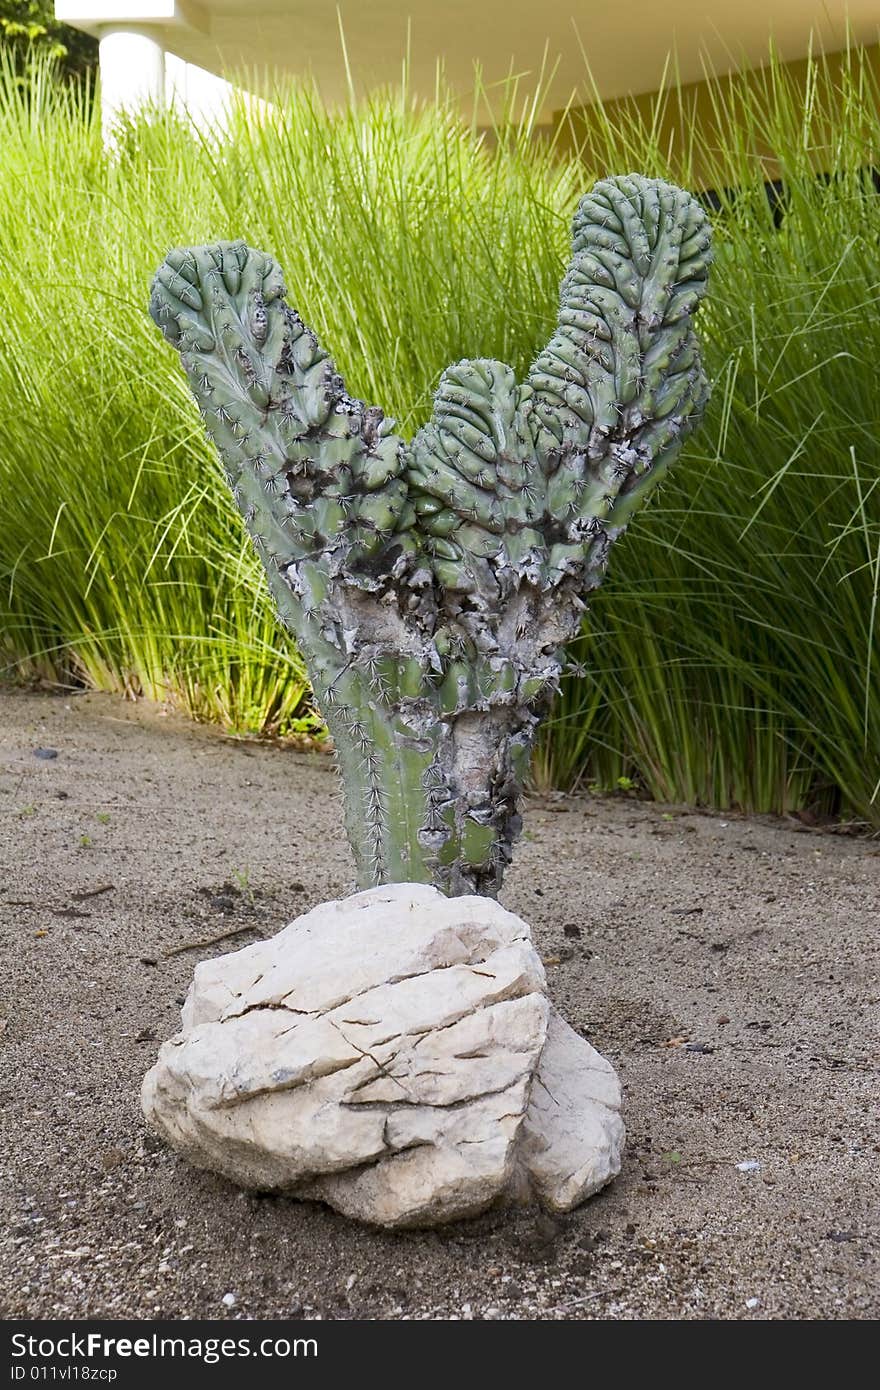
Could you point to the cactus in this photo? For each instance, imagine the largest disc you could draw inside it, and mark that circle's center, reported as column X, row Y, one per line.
column 432, row 585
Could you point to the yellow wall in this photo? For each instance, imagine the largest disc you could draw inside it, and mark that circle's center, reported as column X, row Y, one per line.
column 692, row 119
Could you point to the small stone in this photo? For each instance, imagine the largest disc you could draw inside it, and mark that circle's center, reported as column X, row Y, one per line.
column 749, row 1165
column 571, row 929
column 46, row 754
column 229, row 1300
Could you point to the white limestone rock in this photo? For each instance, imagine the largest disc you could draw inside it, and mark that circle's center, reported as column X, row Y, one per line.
column 573, row 1135
column 377, row 1053
column 380, row 1054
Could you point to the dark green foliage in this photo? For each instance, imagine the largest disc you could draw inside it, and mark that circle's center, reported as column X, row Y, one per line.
column 30, row 34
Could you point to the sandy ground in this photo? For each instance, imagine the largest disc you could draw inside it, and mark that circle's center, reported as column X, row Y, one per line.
column 727, row 966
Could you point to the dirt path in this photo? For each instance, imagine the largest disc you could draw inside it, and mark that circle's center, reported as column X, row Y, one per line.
column 727, row 966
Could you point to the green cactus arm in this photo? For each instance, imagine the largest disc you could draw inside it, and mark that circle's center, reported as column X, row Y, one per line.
column 539, row 478
column 620, row 384
column 313, row 470
column 474, row 482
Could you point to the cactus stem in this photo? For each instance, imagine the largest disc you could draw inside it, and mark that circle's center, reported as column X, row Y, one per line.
column 433, row 586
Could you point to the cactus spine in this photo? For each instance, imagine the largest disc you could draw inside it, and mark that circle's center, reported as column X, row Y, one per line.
column 433, row 585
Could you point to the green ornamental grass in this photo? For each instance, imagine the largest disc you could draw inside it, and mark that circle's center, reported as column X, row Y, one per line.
column 730, row 657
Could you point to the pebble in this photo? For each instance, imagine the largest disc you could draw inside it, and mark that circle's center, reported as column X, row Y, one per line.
column 229, row 1300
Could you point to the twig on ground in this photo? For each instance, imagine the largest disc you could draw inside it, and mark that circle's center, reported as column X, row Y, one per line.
column 206, row 941
column 92, row 892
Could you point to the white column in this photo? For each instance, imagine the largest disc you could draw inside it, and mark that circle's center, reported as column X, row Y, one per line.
column 132, row 73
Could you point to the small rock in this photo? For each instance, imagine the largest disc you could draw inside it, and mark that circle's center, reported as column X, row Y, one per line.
column 229, row 1300
column 46, row 754
column 571, row 929
column 749, row 1165
column 700, row 1047
column 752, row 1302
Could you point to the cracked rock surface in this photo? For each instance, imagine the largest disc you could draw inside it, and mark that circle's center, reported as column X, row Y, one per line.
column 392, row 1054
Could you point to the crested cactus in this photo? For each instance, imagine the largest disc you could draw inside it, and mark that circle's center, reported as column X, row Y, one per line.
column 432, row 585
